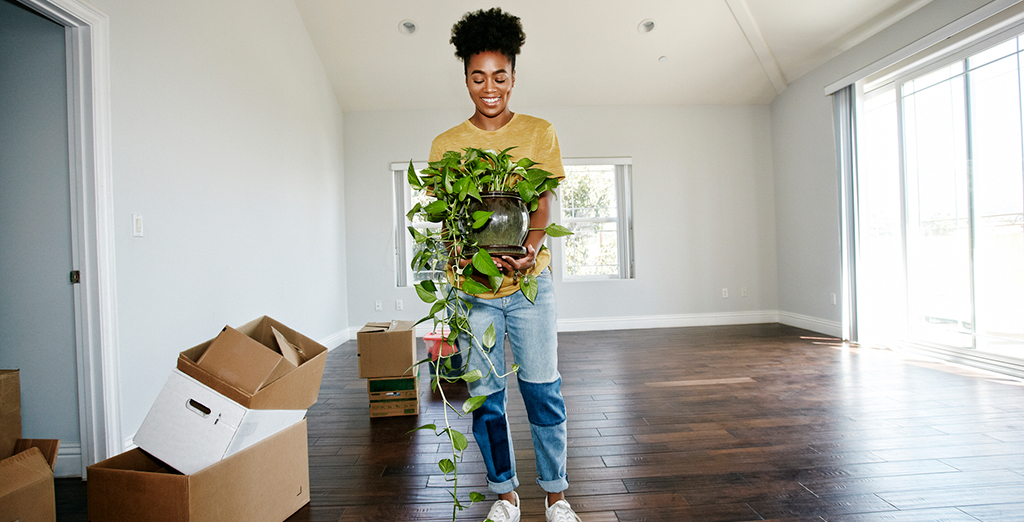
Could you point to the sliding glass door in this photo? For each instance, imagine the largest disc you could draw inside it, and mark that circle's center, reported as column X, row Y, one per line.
column 941, row 200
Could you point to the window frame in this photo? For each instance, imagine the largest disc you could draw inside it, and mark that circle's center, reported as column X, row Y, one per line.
column 624, row 219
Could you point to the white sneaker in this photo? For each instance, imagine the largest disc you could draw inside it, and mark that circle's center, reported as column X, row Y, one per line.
column 560, row 511
column 504, row 511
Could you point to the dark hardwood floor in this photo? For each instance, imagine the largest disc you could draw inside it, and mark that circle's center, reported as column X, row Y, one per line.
column 731, row 423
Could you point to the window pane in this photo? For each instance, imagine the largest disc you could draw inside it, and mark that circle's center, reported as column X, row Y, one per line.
column 881, row 295
column 592, row 250
column 938, row 235
column 934, row 78
column 998, row 190
column 1000, row 51
column 588, row 191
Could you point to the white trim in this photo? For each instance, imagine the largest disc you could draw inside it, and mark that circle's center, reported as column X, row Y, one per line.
column 666, row 321
column 748, row 24
column 338, row 338
column 814, row 324
column 924, row 43
column 87, row 36
column 610, row 160
column 594, row 324
column 69, row 461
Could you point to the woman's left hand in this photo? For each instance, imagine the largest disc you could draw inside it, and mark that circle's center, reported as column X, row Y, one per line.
column 521, row 265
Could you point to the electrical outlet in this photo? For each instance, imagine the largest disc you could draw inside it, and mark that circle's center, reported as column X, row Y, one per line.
column 378, row 306
column 743, row 292
column 834, row 301
column 399, row 305
column 725, row 293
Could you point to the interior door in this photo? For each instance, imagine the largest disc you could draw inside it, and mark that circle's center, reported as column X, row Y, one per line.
column 37, row 327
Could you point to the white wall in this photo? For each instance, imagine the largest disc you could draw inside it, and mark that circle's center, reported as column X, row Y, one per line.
column 227, row 138
column 704, row 211
column 806, row 186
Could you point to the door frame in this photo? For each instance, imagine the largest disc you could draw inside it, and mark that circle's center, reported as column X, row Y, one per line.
column 87, row 41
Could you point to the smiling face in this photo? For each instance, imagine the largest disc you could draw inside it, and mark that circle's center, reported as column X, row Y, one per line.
column 490, row 78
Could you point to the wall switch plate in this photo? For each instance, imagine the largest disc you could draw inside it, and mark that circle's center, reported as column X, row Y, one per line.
column 137, row 225
column 399, row 305
column 378, row 306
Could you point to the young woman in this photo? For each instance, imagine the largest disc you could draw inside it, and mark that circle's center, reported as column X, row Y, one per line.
column 487, row 42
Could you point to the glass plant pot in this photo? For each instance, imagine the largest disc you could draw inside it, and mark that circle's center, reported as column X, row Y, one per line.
column 505, row 232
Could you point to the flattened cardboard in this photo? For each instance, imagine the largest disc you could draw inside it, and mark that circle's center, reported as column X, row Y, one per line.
column 242, row 362
column 267, row 482
column 26, row 488
column 10, row 411
column 190, row 426
column 386, row 349
column 297, row 390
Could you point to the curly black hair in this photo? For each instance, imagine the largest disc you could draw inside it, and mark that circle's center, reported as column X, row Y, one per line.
column 490, row 30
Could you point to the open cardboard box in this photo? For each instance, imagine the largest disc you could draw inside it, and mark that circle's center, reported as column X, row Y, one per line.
column 266, row 482
column 190, row 426
column 26, row 465
column 386, row 349
column 250, row 367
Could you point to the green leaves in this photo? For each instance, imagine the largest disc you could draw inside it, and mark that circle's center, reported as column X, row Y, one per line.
column 529, row 286
column 473, row 403
column 426, row 289
column 554, row 230
column 480, row 218
column 459, row 441
column 472, row 287
column 489, row 337
column 447, row 466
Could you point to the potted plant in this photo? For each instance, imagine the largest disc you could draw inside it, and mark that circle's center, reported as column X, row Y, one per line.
column 483, row 201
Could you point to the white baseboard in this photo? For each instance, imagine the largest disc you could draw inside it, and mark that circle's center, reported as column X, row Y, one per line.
column 338, row 338
column 813, row 324
column 661, row 321
column 69, row 460
column 666, row 321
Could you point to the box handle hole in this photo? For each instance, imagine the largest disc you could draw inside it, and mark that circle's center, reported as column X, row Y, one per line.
column 198, row 408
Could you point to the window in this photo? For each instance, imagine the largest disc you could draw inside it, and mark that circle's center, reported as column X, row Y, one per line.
column 594, row 202
column 941, row 203
column 594, row 199
column 405, row 248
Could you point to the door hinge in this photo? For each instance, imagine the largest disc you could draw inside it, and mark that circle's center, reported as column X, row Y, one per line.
column 76, row 277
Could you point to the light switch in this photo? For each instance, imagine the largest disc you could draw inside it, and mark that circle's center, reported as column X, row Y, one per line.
column 137, row 225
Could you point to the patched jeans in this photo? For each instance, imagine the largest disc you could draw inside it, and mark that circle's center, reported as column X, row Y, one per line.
column 533, row 333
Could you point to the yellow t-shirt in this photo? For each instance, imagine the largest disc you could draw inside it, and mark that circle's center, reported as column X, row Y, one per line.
column 532, row 138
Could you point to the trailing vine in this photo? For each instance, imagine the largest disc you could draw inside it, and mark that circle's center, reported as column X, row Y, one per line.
column 455, row 181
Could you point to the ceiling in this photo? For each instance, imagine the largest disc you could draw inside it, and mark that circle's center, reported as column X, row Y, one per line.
column 699, row 52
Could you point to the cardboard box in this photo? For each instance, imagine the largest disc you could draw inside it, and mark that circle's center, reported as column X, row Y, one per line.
column 190, row 426
column 267, row 482
column 26, row 465
column 394, row 396
column 386, row 349
column 296, row 389
column 26, row 488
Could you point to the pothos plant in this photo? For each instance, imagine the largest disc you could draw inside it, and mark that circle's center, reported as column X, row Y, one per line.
column 456, row 181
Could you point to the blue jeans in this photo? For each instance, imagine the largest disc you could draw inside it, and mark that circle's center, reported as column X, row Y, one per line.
column 533, row 333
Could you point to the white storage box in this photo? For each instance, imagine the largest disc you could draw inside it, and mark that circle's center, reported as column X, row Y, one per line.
column 190, row 426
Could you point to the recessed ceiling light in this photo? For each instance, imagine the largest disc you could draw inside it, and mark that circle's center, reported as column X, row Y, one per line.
column 646, row 26
column 407, row 27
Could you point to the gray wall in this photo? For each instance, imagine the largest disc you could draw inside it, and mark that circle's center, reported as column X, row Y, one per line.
column 704, row 211
column 227, row 139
